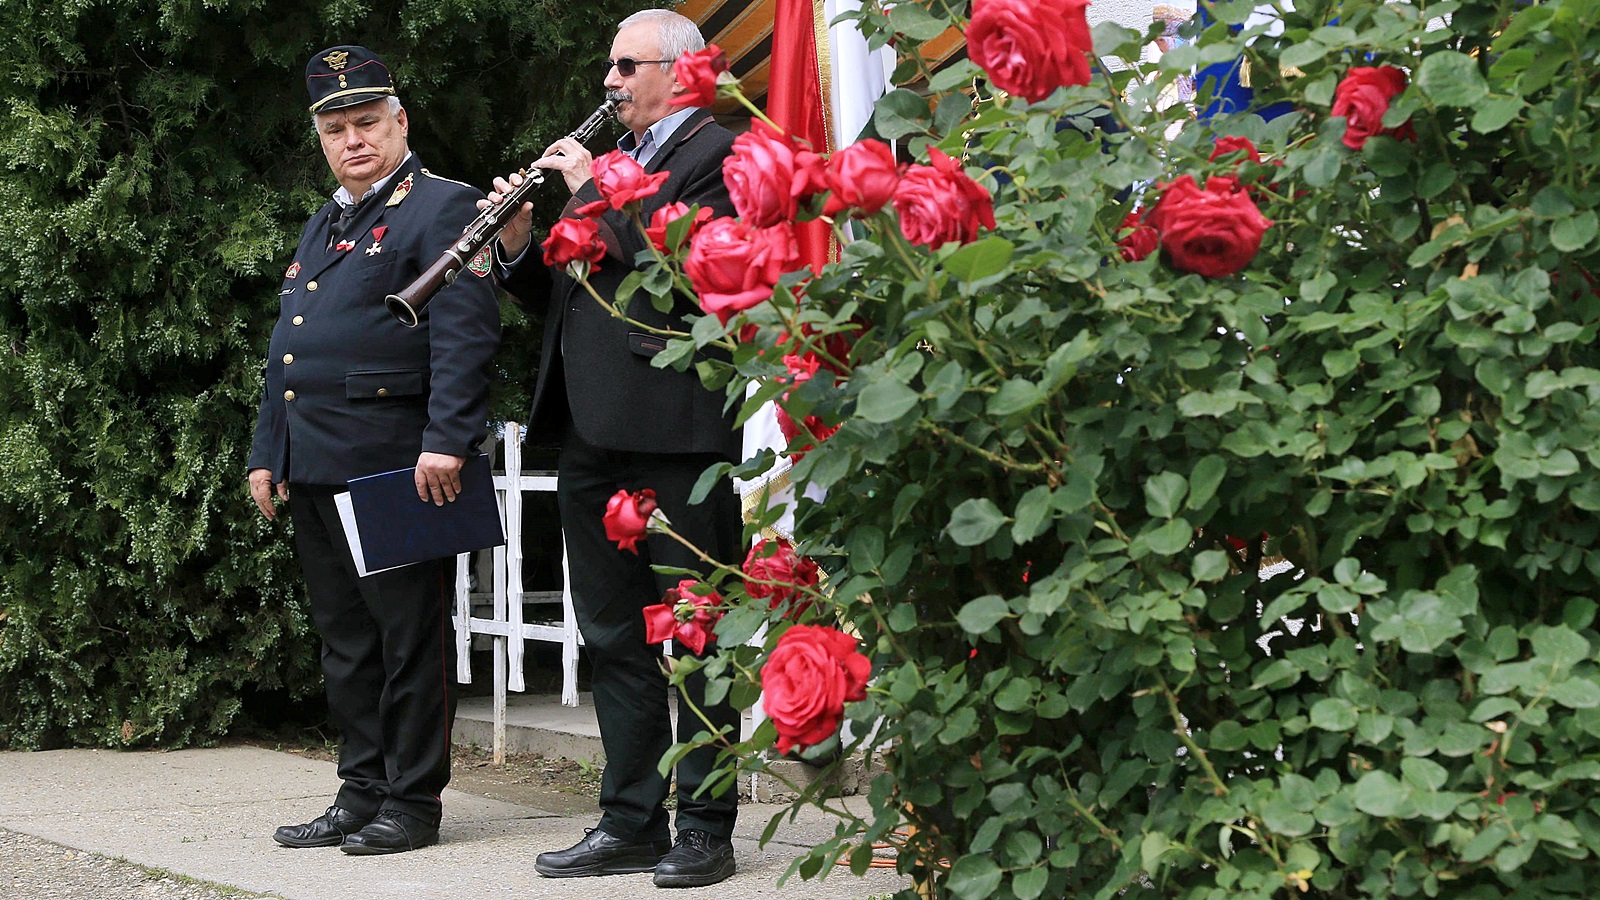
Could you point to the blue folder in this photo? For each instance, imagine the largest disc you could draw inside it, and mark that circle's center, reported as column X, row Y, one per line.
column 397, row 529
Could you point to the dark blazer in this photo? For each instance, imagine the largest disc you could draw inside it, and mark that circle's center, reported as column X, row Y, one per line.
column 351, row 391
column 598, row 367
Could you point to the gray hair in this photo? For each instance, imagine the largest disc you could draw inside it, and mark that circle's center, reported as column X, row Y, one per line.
column 677, row 35
column 394, row 110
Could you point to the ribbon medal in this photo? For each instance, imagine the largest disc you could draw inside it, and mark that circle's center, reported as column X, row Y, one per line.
column 377, row 236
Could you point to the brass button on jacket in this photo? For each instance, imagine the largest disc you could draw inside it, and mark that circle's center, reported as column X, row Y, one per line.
column 312, row 286
column 299, row 320
column 288, row 358
column 288, row 395
column 383, row 392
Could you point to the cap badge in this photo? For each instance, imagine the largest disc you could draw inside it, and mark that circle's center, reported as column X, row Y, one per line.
column 337, row 60
column 400, row 191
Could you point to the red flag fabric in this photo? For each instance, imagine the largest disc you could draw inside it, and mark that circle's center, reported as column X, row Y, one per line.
column 795, row 102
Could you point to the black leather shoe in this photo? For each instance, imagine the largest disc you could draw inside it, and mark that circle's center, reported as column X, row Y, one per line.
column 600, row 854
column 391, row 832
column 327, row 830
column 698, row 858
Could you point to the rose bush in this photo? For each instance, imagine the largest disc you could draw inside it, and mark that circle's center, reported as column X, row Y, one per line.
column 1084, row 682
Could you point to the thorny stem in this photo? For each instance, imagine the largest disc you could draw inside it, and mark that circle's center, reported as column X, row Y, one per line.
column 1182, row 730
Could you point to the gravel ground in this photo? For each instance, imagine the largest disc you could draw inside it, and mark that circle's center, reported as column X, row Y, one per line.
column 34, row 869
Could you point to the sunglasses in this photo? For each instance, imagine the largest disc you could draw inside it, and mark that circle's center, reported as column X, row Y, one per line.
column 626, row 66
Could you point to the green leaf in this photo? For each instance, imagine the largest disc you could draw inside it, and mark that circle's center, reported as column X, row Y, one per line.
column 899, row 113
column 1031, row 514
column 1212, row 565
column 980, row 259
column 975, row 521
column 1015, row 396
column 1204, row 480
column 973, row 878
column 1576, row 693
column 1379, row 794
column 1573, row 233
column 914, row 21
column 1163, row 493
column 1559, row 646
column 885, row 401
column 1333, row 714
column 1495, row 113
column 1424, row 774
column 1452, row 79
column 1029, row 884
column 1170, row 538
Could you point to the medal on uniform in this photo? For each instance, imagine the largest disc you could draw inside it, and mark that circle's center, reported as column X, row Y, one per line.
column 345, row 246
column 377, row 236
column 294, row 270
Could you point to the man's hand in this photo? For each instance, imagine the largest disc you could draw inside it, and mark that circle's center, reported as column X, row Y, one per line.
column 438, row 477
column 568, row 157
column 518, row 230
column 261, row 491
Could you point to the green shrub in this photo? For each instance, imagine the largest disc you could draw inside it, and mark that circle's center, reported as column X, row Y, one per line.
column 1058, row 475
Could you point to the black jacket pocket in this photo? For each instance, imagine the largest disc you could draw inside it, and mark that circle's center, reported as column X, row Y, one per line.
column 646, row 344
column 384, row 383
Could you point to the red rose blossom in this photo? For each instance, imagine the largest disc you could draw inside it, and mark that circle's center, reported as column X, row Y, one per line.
column 1235, row 144
column 627, row 518
column 809, row 676
column 768, row 174
column 684, row 616
column 801, row 368
column 1140, row 241
column 862, row 177
column 656, row 231
column 573, row 240
column 698, row 72
column 1363, row 97
column 733, row 266
column 939, row 203
column 1031, row 47
column 774, row 572
column 621, row 180
column 1213, row 232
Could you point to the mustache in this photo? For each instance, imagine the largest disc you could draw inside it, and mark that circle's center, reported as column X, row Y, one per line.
column 618, row 96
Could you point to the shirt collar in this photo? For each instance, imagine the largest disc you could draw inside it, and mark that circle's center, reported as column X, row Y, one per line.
column 342, row 195
column 658, row 134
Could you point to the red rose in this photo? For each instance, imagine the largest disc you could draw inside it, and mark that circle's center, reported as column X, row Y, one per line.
column 862, row 176
column 628, row 517
column 733, row 266
column 573, row 240
column 1363, row 97
column 1213, row 232
column 656, row 231
column 767, row 175
column 621, row 180
column 940, row 203
column 809, row 676
column 1140, row 241
column 1235, row 144
column 801, row 368
column 684, row 616
column 1031, row 47
column 775, row 573
column 698, row 72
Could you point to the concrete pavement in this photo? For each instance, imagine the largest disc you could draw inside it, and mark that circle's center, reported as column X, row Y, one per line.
column 209, row 815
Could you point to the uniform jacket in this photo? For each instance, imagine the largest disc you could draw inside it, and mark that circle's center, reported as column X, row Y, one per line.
column 349, row 390
column 598, row 367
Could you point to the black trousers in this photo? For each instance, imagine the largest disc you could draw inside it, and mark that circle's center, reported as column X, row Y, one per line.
column 610, row 588
column 388, row 657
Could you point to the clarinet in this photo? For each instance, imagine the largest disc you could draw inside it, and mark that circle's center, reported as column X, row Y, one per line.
column 408, row 304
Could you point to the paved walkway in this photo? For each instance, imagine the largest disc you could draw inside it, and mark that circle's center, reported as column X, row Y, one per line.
column 209, row 815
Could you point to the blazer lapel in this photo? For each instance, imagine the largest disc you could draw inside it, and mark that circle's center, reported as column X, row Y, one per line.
column 683, row 133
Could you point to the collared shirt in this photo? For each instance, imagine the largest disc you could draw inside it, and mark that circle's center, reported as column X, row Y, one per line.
column 345, row 200
column 643, row 149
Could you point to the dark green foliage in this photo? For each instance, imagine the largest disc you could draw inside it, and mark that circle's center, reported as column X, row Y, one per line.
column 156, row 164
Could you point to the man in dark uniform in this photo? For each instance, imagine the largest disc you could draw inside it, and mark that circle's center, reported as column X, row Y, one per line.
column 351, row 392
column 626, row 425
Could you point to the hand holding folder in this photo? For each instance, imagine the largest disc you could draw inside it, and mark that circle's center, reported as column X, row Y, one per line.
column 388, row 527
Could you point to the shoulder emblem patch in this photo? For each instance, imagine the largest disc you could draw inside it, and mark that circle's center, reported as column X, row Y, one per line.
column 480, row 264
column 294, row 270
column 400, row 191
